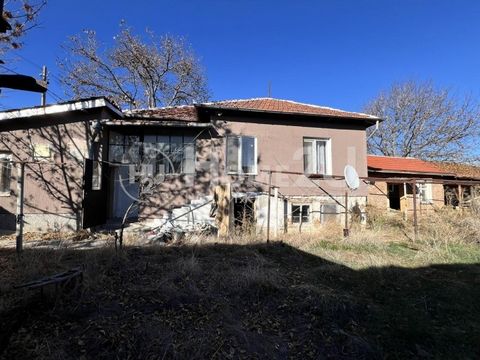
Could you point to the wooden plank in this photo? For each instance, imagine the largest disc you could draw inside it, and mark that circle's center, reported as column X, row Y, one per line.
column 415, row 220
column 222, row 195
column 54, row 279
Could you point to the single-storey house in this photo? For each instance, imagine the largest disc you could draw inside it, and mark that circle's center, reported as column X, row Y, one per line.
column 462, row 193
column 87, row 161
column 394, row 180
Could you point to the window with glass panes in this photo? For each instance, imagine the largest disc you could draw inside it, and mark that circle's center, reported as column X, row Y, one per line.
column 316, row 156
column 300, row 213
column 165, row 154
column 124, row 148
column 158, row 154
column 425, row 193
column 241, row 155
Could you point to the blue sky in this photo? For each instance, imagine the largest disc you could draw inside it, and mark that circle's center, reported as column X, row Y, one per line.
column 332, row 53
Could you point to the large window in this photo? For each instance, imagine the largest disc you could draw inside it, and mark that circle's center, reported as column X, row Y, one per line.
column 300, row 213
column 241, row 155
column 5, row 173
column 169, row 154
column 158, row 154
column 316, row 156
column 124, row 148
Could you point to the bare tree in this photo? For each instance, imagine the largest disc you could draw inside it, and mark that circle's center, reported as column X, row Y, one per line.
column 423, row 121
column 134, row 73
column 22, row 15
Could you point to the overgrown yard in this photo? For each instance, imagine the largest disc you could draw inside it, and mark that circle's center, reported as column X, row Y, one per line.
column 378, row 294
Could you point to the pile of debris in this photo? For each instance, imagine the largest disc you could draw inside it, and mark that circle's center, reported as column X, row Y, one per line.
column 169, row 233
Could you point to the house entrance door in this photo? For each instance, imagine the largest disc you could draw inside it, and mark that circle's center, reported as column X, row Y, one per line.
column 394, row 196
column 125, row 191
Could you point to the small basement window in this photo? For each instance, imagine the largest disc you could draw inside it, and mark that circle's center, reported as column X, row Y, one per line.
column 300, row 213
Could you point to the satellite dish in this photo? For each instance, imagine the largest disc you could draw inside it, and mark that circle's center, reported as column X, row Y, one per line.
column 351, row 177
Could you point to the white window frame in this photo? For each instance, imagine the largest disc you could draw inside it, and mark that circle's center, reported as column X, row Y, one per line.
column 239, row 155
column 427, row 187
column 7, row 156
column 328, row 154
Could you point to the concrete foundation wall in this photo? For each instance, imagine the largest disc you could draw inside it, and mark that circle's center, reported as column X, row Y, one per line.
column 51, row 222
column 323, row 209
column 187, row 216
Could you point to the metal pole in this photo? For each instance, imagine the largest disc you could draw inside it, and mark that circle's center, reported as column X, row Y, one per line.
column 345, row 230
column 275, row 196
column 415, row 222
column 44, row 78
column 268, row 206
column 20, row 199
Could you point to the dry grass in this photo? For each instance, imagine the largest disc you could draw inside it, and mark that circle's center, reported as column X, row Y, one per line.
column 450, row 227
column 374, row 294
column 444, row 237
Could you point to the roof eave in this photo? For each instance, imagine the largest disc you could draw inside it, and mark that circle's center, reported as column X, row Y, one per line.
column 371, row 120
column 75, row 105
column 156, row 123
column 408, row 172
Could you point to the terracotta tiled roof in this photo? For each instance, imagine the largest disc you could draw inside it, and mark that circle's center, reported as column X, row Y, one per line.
column 403, row 165
column 460, row 170
column 183, row 113
column 190, row 113
column 286, row 106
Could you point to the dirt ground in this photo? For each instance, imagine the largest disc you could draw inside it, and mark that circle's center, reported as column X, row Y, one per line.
column 237, row 301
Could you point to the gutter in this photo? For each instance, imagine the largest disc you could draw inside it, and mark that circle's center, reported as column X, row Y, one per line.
column 409, row 172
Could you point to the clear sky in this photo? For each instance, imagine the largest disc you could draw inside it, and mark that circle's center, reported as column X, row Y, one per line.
column 333, row 53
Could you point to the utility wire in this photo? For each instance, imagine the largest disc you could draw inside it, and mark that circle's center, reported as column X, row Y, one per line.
column 9, row 70
column 40, row 67
column 51, row 92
